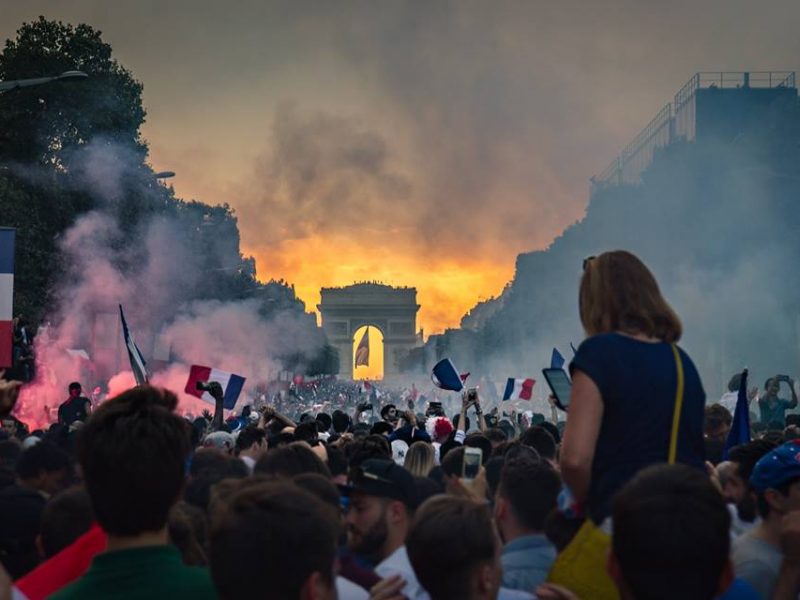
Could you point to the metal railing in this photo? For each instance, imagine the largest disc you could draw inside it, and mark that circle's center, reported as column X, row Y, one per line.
column 677, row 119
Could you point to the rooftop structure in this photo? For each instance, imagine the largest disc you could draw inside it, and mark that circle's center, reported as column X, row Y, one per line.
column 708, row 105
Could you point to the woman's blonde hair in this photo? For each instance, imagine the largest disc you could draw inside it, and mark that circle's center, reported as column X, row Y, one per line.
column 420, row 459
column 619, row 293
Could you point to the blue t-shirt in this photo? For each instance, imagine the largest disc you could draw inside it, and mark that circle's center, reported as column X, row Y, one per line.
column 637, row 381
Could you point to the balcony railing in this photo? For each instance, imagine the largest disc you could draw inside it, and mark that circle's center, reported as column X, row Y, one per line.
column 637, row 155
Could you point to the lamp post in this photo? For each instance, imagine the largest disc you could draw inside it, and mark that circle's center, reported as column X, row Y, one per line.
column 21, row 83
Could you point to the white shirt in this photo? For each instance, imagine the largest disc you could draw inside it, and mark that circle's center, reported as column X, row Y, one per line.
column 739, row 527
column 397, row 563
column 729, row 399
column 250, row 462
column 347, row 590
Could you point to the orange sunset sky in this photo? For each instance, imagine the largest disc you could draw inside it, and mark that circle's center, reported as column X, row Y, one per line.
column 424, row 144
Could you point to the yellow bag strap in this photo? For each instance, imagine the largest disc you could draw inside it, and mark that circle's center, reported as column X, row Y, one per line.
column 676, row 415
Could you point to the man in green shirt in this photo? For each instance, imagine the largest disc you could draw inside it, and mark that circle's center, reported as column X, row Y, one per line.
column 773, row 409
column 133, row 452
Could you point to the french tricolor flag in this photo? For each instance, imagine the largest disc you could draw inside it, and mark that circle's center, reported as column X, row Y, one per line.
column 446, row 376
column 519, row 389
column 231, row 383
column 7, row 236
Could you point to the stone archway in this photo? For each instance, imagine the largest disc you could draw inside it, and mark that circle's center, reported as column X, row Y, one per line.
column 391, row 310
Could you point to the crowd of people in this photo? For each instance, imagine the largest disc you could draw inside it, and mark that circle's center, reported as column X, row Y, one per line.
column 638, row 495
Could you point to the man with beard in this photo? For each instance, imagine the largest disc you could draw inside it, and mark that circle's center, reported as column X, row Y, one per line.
column 382, row 495
column 735, row 481
column 389, row 414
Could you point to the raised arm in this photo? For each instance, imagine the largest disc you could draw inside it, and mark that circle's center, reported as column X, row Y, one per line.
column 215, row 389
column 791, row 383
column 287, row 422
column 479, row 412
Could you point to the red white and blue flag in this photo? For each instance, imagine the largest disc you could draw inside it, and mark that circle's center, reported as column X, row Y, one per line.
column 447, row 377
column 519, row 389
column 231, row 383
column 7, row 236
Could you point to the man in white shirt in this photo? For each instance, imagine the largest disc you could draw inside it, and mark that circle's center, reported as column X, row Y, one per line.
column 382, row 495
column 251, row 444
column 729, row 398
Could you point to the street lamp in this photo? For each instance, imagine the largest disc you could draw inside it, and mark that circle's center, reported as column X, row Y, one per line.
column 21, row 83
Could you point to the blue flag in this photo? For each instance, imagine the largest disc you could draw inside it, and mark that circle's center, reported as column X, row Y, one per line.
column 556, row 360
column 740, row 428
column 446, row 376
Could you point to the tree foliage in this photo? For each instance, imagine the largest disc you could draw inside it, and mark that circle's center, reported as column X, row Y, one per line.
column 45, row 124
column 56, row 143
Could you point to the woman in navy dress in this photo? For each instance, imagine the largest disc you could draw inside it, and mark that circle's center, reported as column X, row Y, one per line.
column 624, row 381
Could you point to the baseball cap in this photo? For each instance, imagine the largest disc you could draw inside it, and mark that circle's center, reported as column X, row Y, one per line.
column 382, row 478
column 777, row 467
column 219, row 439
column 399, row 450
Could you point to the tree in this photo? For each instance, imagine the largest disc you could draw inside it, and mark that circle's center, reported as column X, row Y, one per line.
column 44, row 129
column 44, row 125
column 70, row 147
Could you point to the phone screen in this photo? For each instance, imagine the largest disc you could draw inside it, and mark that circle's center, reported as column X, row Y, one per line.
column 560, row 385
column 472, row 462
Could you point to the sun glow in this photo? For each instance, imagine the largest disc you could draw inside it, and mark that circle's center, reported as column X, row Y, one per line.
column 374, row 370
column 446, row 287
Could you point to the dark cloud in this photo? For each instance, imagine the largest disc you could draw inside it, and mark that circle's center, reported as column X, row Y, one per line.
column 323, row 173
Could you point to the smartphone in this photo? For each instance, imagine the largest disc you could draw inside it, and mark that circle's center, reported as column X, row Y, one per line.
column 472, row 462
column 560, row 385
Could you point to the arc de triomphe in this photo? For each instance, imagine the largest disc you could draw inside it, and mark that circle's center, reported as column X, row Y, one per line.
column 391, row 310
